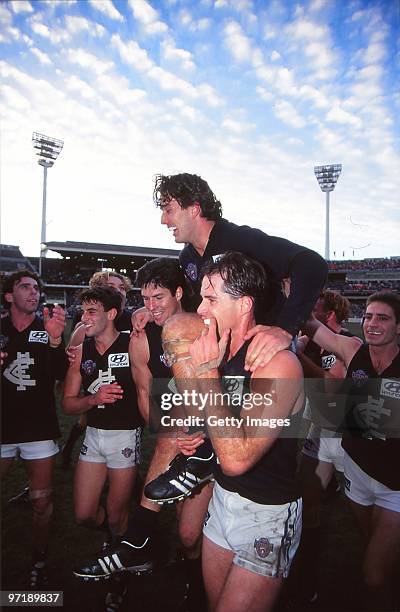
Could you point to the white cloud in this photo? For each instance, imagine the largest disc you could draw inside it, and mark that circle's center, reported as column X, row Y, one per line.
column 275, row 56
column 74, row 84
column 55, row 35
column 14, row 98
column 107, row 8
column 171, row 52
column 132, row 53
column 78, row 24
column 237, row 127
column 317, row 5
column 191, row 24
column 287, row 113
column 147, row 16
column 339, row 115
column 264, row 94
column 88, row 60
column 237, row 42
column 21, row 6
column 42, row 57
column 5, row 16
column 304, row 29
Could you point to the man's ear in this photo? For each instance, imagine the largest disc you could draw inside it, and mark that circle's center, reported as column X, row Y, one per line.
column 111, row 314
column 330, row 316
column 246, row 304
column 195, row 209
column 179, row 293
column 9, row 298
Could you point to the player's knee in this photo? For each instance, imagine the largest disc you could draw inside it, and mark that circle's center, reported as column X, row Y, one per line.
column 189, row 536
column 41, row 503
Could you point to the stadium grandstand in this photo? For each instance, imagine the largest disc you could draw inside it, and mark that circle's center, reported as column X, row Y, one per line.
column 65, row 275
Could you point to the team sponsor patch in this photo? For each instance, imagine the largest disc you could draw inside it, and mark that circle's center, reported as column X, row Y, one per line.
column 89, row 367
column 328, row 361
column 263, row 547
column 127, row 452
column 359, row 377
column 347, row 483
column 390, row 388
column 84, row 449
column 118, row 360
column 191, row 271
column 38, row 336
column 216, row 258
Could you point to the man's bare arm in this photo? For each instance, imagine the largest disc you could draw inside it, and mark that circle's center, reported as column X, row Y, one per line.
column 139, row 356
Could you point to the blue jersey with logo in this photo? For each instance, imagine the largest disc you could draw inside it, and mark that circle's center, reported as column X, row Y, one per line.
column 372, row 437
column 27, row 384
column 113, row 366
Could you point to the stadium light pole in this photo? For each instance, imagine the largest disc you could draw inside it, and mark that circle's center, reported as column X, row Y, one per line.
column 327, row 177
column 47, row 149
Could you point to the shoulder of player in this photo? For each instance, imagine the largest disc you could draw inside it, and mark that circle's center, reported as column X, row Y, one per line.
column 284, row 364
column 139, row 344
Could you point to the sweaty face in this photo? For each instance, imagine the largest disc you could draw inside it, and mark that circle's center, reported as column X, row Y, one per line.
column 117, row 283
column 379, row 325
column 218, row 304
column 25, row 295
column 94, row 318
column 178, row 220
column 161, row 303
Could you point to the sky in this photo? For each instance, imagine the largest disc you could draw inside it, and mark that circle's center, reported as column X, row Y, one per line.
column 249, row 94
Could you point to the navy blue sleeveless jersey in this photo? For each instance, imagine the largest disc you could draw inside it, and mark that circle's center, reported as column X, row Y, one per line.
column 28, row 376
column 372, row 436
column 112, row 366
column 272, row 480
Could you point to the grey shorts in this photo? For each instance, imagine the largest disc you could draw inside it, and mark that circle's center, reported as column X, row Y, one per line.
column 264, row 538
column 324, row 445
column 29, row 450
column 117, row 448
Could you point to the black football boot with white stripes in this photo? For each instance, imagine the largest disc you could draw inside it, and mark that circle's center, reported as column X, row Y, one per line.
column 184, row 476
column 121, row 557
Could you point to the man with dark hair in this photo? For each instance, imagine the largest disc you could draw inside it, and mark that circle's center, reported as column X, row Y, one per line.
column 194, row 216
column 371, row 439
column 163, row 285
column 33, row 359
column 111, row 449
column 254, row 518
column 322, row 451
column 122, row 284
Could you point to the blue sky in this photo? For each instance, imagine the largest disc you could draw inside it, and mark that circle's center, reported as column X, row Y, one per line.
column 248, row 94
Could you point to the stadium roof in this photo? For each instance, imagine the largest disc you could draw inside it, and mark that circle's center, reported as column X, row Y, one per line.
column 71, row 248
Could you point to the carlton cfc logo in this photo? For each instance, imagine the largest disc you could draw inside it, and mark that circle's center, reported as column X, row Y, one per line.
column 263, row 547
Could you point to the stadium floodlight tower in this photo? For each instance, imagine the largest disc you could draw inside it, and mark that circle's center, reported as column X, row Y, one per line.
column 327, row 177
column 47, row 149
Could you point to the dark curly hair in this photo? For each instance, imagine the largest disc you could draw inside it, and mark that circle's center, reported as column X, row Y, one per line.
column 10, row 280
column 187, row 189
column 390, row 299
column 107, row 296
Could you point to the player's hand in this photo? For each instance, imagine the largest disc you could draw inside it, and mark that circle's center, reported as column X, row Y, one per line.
column 71, row 354
column 139, row 320
column 206, row 352
column 107, row 394
column 54, row 324
column 188, row 443
column 267, row 342
column 3, row 356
